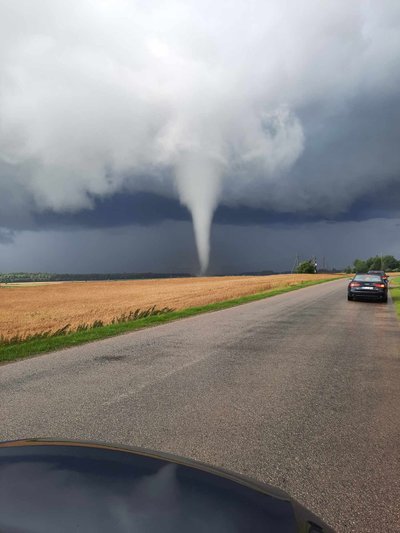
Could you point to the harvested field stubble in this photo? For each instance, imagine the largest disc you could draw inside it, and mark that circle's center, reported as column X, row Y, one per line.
column 35, row 309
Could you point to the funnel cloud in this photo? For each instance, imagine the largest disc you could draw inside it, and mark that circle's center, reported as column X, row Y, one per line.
column 194, row 101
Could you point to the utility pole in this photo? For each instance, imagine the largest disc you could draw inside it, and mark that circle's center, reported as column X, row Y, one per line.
column 315, row 264
column 296, row 263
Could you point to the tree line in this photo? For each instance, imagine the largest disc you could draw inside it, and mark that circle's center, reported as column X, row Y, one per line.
column 20, row 277
column 386, row 262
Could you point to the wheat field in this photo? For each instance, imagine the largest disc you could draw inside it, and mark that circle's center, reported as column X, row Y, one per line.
column 30, row 309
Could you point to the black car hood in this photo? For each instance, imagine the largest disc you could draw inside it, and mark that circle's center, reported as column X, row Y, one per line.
column 63, row 486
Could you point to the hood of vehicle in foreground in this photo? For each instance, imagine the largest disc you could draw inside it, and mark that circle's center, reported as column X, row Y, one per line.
column 77, row 486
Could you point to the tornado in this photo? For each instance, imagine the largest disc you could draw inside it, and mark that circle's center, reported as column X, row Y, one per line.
column 199, row 186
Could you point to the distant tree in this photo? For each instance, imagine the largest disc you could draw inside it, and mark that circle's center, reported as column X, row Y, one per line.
column 390, row 263
column 360, row 266
column 375, row 263
column 348, row 270
column 306, row 267
column 387, row 262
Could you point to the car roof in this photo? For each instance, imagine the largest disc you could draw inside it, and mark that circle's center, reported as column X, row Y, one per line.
column 367, row 275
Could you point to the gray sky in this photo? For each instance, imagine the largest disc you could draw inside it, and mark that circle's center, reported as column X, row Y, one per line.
column 121, row 121
column 235, row 249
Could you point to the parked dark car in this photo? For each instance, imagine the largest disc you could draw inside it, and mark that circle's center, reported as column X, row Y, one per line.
column 367, row 286
column 381, row 273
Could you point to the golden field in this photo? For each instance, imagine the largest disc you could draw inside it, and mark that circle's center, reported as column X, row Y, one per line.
column 29, row 309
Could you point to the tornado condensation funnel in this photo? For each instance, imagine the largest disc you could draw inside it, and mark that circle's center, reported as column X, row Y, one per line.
column 199, row 185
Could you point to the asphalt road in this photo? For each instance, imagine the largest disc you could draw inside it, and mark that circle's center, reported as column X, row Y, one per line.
column 301, row 390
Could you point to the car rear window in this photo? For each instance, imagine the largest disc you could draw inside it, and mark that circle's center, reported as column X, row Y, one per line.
column 367, row 277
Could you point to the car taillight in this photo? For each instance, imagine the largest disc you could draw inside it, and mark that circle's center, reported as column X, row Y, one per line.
column 355, row 284
column 380, row 285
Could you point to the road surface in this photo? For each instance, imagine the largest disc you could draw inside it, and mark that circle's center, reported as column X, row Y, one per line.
column 301, row 390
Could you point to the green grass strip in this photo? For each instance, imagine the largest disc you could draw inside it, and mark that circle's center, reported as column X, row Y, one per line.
column 19, row 350
column 395, row 293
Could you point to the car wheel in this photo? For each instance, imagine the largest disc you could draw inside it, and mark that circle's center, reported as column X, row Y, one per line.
column 384, row 300
column 350, row 298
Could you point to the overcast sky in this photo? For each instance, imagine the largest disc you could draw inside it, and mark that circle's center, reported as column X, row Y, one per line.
column 123, row 123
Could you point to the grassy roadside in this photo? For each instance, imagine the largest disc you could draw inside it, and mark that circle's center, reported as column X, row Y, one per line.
column 395, row 293
column 19, row 350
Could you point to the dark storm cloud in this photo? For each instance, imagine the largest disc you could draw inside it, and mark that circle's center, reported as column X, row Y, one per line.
column 148, row 209
column 119, row 210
